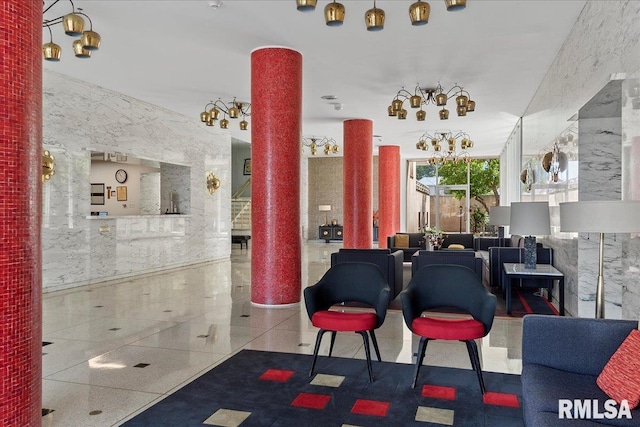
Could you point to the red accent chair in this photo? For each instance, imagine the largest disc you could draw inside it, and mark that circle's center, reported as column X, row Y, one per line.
column 357, row 282
column 437, row 286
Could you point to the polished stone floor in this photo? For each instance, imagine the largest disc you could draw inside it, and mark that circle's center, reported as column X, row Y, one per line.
column 111, row 350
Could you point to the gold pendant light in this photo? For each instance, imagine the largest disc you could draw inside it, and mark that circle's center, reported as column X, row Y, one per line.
column 73, row 24
column 454, row 5
column 374, row 18
column 80, row 51
column 334, row 14
column 233, row 109
column 423, row 96
column 306, row 5
column 51, row 51
column 419, row 13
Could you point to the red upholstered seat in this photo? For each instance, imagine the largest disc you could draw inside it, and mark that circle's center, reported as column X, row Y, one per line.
column 448, row 329
column 344, row 321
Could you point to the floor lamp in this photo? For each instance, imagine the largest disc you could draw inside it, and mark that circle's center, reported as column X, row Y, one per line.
column 530, row 219
column 499, row 215
column 610, row 216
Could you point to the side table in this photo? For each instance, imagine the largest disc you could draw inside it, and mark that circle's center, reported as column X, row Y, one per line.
column 545, row 272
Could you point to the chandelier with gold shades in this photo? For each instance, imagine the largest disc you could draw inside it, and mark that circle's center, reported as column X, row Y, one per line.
column 329, row 145
column 423, row 96
column 444, row 146
column 233, row 110
column 334, row 12
column 74, row 26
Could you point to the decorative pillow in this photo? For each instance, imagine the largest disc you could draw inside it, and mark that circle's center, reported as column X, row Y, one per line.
column 402, row 240
column 620, row 378
column 455, row 246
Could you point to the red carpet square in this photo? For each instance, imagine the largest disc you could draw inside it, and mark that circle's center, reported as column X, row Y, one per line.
column 439, row 392
column 276, row 375
column 370, row 407
column 311, row 400
column 501, row 399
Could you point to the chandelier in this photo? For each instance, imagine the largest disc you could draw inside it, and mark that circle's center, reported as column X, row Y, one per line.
column 330, row 145
column 334, row 12
column 233, row 109
column 423, row 96
column 73, row 24
column 450, row 140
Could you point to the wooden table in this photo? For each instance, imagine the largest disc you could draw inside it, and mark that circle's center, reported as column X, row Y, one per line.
column 545, row 272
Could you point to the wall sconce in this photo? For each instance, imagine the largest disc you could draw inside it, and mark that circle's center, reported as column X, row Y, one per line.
column 48, row 166
column 213, row 183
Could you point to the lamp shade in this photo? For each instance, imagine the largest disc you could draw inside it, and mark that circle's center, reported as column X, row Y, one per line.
column 530, row 218
column 602, row 216
column 499, row 215
column 324, row 208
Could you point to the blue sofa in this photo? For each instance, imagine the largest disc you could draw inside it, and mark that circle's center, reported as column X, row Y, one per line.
column 457, row 257
column 561, row 359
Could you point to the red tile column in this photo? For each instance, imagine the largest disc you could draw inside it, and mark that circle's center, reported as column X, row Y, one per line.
column 388, row 192
column 276, row 115
column 358, row 183
column 20, row 213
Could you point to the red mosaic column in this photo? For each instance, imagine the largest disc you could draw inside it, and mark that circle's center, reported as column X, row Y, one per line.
column 276, row 115
column 20, row 213
column 388, row 192
column 358, row 183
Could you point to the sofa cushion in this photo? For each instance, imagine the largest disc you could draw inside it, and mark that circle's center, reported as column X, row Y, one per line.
column 402, row 241
column 542, row 387
column 455, row 246
column 620, row 378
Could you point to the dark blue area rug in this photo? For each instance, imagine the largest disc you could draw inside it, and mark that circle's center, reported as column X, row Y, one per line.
column 274, row 389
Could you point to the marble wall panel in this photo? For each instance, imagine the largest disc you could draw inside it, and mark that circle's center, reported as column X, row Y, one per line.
column 603, row 46
column 75, row 251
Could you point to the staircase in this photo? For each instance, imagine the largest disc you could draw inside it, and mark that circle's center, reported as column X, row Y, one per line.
column 241, row 211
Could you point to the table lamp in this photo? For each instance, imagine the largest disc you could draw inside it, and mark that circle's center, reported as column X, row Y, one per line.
column 530, row 219
column 325, row 209
column 499, row 215
column 603, row 216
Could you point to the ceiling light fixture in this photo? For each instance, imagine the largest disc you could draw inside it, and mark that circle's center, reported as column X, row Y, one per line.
column 233, row 109
column 334, row 12
column 314, row 142
column 426, row 95
column 374, row 18
column 440, row 138
column 73, row 24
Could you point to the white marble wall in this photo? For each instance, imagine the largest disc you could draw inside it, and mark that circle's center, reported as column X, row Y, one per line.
column 80, row 117
column 604, row 42
column 150, row 193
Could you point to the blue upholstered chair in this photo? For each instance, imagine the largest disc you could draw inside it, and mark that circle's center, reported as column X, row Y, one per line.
column 348, row 282
column 437, row 286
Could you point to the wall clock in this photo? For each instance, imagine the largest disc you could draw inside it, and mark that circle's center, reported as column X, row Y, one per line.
column 121, row 176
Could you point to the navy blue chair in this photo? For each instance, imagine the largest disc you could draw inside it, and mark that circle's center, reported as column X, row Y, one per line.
column 437, row 286
column 351, row 282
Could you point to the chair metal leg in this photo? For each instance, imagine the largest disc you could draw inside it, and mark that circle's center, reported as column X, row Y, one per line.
column 333, row 340
column 316, row 349
column 422, row 348
column 367, row 352
column 375, row 344
column 472, row 348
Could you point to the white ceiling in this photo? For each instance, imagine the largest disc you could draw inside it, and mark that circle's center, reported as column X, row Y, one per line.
column 181, row 54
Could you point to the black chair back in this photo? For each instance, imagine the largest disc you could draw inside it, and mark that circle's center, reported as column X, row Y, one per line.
column 349, row 282
column 437, row 286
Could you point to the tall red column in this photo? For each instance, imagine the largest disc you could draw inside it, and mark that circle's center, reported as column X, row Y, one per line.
column 20, row 213
column 276, row 115
column 358, row 183
column 388, row 192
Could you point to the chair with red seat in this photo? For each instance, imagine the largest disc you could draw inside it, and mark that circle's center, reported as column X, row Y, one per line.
column 357, row 282
column 454, row 286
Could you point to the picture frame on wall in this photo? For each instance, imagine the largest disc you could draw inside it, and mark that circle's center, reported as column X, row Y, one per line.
column 247, row 167
column 121, row 193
